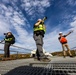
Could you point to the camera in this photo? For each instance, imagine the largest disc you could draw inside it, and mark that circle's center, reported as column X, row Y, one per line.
column 44, row 18
column 5, row 33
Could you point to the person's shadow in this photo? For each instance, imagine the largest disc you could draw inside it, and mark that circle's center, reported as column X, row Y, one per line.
column 29, row 70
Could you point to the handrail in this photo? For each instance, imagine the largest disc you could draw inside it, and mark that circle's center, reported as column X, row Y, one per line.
column 18, row 52
column 11, row 51
column 19, row 47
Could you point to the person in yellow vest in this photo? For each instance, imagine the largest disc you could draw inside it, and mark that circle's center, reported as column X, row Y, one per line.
column 39, row 31
column 9, row 39
column 63, row 41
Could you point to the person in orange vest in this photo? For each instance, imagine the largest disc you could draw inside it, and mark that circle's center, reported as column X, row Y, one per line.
column 64, row 43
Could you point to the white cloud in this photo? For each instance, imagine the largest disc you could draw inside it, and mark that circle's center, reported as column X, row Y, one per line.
column 5, row 1
column 17, row 19
column 72, row 37
column 4, row 25
column 35, row 7
column 71, row 2
column 45, row 3
column 3, row 6
column 11, row 20
column 74, row 19
column 52, row 42
column 73, row 24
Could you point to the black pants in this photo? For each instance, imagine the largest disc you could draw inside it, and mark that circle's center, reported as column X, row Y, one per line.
column 6, row 50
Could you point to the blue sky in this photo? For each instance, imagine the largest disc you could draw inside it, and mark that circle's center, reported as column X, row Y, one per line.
column 19, row 16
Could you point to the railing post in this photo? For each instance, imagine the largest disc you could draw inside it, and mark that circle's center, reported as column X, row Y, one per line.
column 17, row 55
column 30, row 64
column 75, row 52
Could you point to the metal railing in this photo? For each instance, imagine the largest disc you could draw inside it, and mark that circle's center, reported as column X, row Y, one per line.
column 17, row 52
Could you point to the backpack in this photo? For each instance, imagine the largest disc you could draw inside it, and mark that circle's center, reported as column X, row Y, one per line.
column 13, row 40
column 63, row 40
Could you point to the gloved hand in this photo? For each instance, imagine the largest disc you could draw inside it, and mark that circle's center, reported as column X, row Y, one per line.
column 11, row 44
column 71, row 31
column 1, row 41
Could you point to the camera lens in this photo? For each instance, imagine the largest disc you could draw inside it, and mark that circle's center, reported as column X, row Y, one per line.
column 5, row 33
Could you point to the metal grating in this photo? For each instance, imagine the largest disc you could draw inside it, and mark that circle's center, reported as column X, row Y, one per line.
column 45, row 69
column 58, row 68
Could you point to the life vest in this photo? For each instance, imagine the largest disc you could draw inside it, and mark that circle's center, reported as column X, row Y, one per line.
column 39, row 28
column 63, row 40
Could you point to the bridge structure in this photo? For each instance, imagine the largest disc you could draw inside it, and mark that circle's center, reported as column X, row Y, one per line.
column 57, row 66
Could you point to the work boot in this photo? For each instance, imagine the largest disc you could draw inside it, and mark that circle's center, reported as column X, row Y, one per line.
column 45, row 59
column 64, row 56
column 71, row 56
column 37, row 58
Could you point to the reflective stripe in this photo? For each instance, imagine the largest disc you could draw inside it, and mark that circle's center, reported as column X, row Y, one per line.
column 9, row 39
column 36, row 28
column 40, row 27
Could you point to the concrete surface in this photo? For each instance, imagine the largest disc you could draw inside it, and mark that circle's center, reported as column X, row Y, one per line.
column 7, row 66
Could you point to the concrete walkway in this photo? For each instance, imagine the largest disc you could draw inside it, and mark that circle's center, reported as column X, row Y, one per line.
column 63, row 60
column 7, row 66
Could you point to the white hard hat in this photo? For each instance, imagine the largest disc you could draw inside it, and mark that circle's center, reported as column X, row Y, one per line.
column 60, row 33
column 39, row 20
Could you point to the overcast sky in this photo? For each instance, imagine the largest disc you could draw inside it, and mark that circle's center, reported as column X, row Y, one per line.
column 19, row 16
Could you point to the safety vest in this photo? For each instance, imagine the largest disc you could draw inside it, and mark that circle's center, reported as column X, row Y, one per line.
column 63, row 40
column 9, row 39
column 39, row 28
